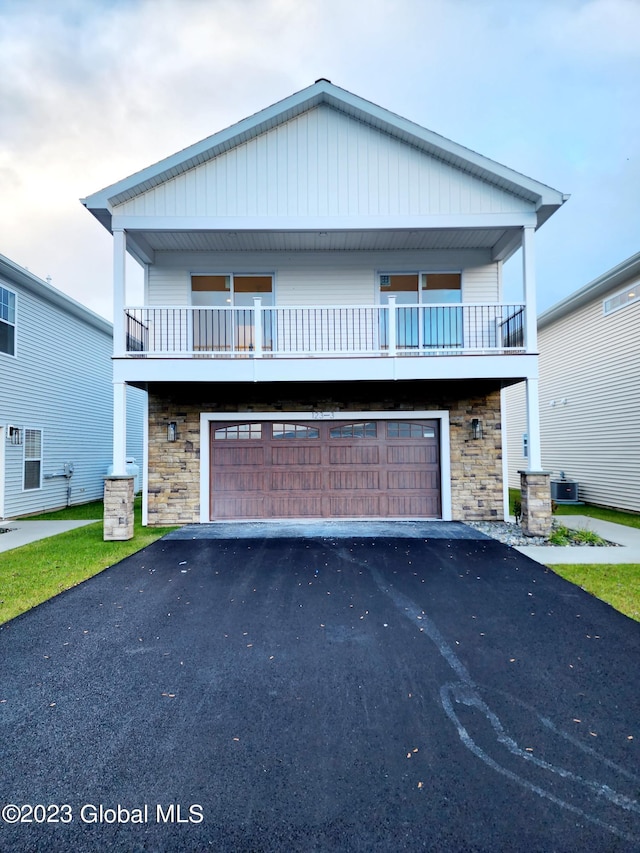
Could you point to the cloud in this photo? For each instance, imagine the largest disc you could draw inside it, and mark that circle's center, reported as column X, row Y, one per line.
column 94, row 90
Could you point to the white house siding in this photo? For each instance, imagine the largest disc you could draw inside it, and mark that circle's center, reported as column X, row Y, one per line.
column 589, row 403
column 320, row 278
column 60, row 382
column 322, row 163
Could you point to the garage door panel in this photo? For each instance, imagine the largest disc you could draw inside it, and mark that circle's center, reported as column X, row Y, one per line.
column 296, row 506
column 296, row 455
column 293, row 481
column 411, row 455
column 413, row 505
column 230, row 507
column 350, row 454
column 239, row 481
column 354, row 480
column 422, row 480
column 355, row 506
column 238, row 456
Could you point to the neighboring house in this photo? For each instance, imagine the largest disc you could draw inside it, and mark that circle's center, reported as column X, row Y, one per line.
column 324, row 333
column 56, row 402
column 589, row 392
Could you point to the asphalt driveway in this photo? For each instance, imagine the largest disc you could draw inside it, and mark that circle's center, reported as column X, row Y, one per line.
column 321, row 694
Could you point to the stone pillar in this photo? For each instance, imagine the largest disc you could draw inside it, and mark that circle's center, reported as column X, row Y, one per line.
column 118, row 508
column 535, row 490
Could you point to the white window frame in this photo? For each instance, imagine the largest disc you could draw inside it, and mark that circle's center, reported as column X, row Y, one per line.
column 26, row 458
column 13, row 324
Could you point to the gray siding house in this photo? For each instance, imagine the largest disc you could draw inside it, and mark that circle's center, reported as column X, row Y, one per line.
column 56, row 398
column 589, row 392
column 324, row 332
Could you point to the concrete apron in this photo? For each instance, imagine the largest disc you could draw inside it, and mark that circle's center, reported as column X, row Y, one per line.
column 323, row 529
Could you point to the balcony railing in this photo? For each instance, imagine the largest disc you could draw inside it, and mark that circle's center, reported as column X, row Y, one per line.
column 262, row 331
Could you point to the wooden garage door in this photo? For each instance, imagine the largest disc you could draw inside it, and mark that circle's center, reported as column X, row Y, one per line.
column 325, row 469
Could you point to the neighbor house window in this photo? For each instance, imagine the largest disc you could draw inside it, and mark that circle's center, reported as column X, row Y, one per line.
column 625, row 297
column 32, row 459
column 7, row 321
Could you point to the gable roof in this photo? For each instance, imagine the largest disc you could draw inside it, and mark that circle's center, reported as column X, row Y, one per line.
column 614, row 279
column 14, row 275
column 545, row 199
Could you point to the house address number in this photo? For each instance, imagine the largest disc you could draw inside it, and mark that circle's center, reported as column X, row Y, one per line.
column 323, row 416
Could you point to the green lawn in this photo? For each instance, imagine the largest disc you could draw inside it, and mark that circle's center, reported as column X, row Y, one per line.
column 36, row 572
column 618, row 585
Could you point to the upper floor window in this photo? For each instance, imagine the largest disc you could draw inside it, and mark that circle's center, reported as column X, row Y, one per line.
column 625, row 297
column 7, row 321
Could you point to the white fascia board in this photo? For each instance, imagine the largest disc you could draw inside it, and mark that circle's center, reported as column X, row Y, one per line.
column 422, row 368
column 323, row 223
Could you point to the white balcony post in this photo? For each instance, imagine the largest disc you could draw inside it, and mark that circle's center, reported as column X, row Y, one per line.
column 533, row 425
column 393, row 344
column 119, row 429
column 119, row 291
column 529, row 290
column 257, row 327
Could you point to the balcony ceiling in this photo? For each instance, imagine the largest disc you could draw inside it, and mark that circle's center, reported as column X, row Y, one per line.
column 319, row 241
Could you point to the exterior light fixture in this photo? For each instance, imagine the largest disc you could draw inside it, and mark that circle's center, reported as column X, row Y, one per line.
column 172, row 431
column 476, row 428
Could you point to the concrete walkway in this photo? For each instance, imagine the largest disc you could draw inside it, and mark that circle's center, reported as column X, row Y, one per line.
column 23, row 532
column 626, row 537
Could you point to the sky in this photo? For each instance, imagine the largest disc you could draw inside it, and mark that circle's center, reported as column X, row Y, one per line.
column 94, row 90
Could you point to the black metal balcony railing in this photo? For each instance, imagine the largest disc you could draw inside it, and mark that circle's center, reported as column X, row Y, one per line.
column 271, row 331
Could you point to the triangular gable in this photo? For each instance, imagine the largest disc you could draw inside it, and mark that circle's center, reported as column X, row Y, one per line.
column 323, row 163
column 438, row 149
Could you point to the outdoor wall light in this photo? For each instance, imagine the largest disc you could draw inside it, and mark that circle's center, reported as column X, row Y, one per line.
column 476, row 428
column 172, row 431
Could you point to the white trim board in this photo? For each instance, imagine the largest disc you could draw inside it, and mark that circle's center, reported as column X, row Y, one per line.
column 206, row 418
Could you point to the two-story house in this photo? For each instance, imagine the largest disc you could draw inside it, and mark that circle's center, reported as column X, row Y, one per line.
column 589, row 393
column 323, row 333
column 56, row 397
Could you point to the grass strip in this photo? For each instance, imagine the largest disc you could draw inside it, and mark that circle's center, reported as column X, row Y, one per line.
column 36, row 572
column 618, row 585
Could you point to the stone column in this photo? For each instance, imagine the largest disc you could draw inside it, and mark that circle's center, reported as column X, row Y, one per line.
column 535, row 490
column 118, row 508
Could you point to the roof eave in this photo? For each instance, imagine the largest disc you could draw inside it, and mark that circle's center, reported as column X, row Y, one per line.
column 612, row 279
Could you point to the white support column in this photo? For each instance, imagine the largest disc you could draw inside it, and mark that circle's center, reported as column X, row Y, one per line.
column 119, row 429
column 119, row 290
column 529, row 290
column 533, row 425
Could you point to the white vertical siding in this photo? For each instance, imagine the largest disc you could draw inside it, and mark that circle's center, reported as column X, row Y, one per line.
column 322, row 163
column 60, row 382
column 318, row 278
column 590, row 403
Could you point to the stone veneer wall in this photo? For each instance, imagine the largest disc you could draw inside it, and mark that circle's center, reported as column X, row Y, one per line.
column 476, row 465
